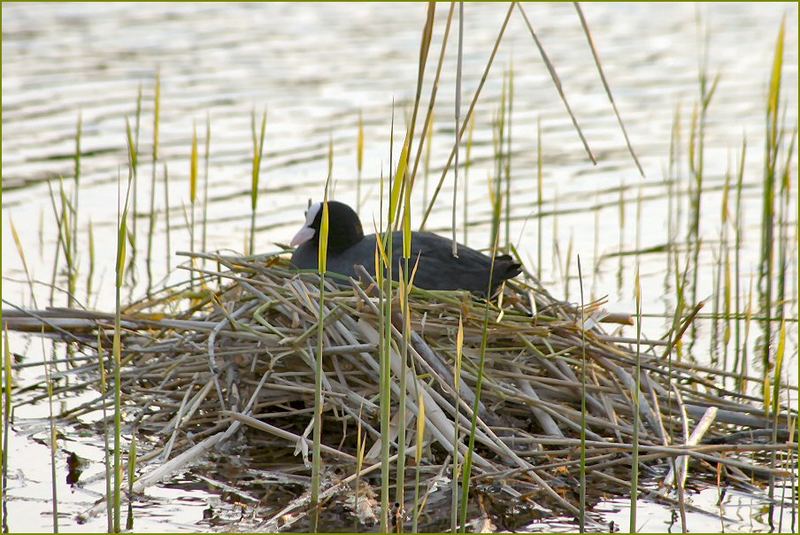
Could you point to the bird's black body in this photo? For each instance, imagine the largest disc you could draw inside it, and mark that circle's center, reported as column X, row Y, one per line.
column 438, row 269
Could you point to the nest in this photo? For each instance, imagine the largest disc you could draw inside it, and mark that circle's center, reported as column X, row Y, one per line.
column 231, row 353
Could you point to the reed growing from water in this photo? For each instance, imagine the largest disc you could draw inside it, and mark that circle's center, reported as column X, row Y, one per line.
column 135, row 191
column 636, row 398
column 75, row 211
column 582, row 468
column 322, row 261
column 102, row 380
column 468, row 460
column 132, row 458
column 467, row 166
column 48, row 370
column 154, row 157
column 194, row 162
column 772, row 146
column 696, row 160
column 206, row 160
column 383, row 273
column 7, row 383
column 467, row 117
column 122, row 236
column 168, row 224
column 539, row 198
column 258, row 153
column 508, row 156
column 90, row 273
column 359, row 157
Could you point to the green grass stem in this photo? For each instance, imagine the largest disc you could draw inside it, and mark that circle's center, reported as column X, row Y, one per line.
column 636, row 403
column 258, row 153
column 76, row 200
column 467, row 468
column 467, row 117
column 7, row 407
column 152, row 214
column 206, row 159
column 539, row 198
column 467, row 166
column 122, row 223
column 582, row 473
column 135, row 192
column 359, row 158
column 90, row 274
column 322, row 262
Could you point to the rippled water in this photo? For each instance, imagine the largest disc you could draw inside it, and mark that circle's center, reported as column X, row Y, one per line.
column 315, row 68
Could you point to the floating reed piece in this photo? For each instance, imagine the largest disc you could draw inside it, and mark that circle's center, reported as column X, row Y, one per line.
column 238, row 357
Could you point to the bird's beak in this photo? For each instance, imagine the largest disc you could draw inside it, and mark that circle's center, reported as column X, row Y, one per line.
column 302, row 236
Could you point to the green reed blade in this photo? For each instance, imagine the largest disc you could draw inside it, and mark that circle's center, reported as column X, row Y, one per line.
column 582, row 475
column 322, row 260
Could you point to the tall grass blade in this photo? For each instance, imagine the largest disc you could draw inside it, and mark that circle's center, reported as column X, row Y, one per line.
column 406, row 284
column 67, row 236
column 103, row 384
column 76, row 196
column 131, row 478
column 582, row 475
column 458, row 120
column 167, row 224
column 467, row 117
column 152, row 217
column 427, row 129
column 776, row 404
column 156, row 114
column 90, row 274
column 193, row 163
column 7, row 386
column 360, row 444
column 737, row 261
column 772, row 146
column 258, row 151
column 779, row 354
column 418, row 456
column 206, row 159
column 193, row 171
column 397, row 185
column 359, row 158
column 509, row 152
column 467, row 469
column 401, row 180
column 22, row 257
column 322, row 259
column 606, row 86
column 636, row 408
column 456, row 439
column 467, row 165
column 117, row 357
column 557, row 82
column 134, row 193
column 384, row 273
column 539, row 198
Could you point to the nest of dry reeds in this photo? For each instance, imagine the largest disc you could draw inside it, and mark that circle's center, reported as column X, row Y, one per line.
column 232, row 351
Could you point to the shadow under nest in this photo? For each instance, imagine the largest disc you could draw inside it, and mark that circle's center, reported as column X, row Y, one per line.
column 233, row 348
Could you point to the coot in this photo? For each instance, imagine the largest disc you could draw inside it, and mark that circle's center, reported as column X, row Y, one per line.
column 438, row 268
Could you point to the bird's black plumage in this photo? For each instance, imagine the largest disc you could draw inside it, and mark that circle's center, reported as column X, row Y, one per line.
column 438, row 269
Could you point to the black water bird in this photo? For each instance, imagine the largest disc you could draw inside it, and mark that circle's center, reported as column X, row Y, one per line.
column 438, row 269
